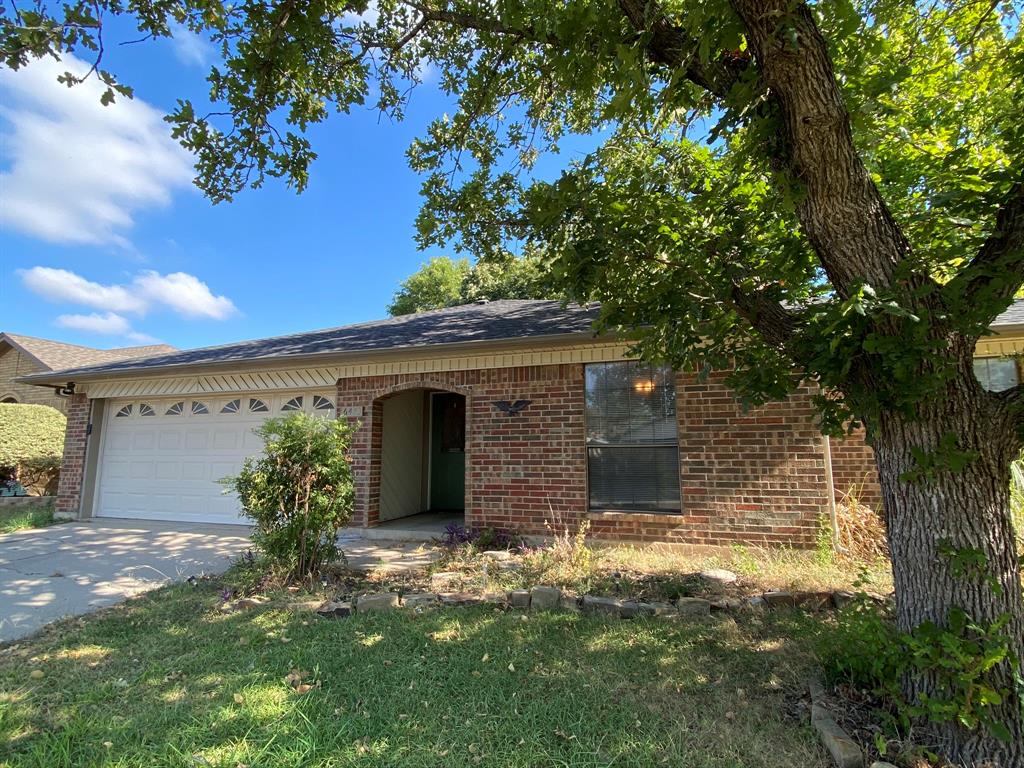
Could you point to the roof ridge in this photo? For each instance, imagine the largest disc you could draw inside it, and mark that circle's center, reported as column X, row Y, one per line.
column 52, row 341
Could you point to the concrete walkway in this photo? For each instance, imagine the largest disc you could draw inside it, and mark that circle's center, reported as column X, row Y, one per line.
column 75, row 568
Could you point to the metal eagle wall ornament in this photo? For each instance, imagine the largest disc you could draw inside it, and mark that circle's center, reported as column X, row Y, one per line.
column 506, row 406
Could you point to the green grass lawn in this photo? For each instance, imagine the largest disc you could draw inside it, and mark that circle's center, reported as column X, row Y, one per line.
column 17, row 518
column 167, row 680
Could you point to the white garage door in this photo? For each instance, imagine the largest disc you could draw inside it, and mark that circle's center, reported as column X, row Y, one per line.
column 161, row 459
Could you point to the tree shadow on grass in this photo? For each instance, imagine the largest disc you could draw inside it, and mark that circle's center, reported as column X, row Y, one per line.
column 169, row 680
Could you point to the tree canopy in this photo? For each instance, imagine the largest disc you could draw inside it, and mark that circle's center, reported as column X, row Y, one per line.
column 828, row 191
column 447, row 282
column 711, row 208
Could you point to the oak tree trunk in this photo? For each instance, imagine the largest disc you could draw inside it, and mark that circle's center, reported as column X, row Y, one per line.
column 966, row 510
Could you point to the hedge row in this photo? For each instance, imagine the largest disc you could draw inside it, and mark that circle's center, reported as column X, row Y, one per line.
column 31, row 445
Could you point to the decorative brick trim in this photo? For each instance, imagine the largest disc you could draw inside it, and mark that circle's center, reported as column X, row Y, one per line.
column 520, row 470
column 72, row 468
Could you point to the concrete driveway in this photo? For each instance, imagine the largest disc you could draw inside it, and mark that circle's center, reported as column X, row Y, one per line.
column 74, row 568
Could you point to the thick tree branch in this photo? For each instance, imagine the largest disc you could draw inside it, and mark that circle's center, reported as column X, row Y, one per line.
column 668, row 45
column 996, row 273
column 841, row 211
column 477, row 23
column 771, row 320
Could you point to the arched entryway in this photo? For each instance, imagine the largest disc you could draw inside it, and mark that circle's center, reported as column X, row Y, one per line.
column 423, row 459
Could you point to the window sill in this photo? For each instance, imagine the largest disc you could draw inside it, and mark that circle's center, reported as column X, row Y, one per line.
column 617, row 514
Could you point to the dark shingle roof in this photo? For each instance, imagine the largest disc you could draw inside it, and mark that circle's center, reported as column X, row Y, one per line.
column 503, row 320
column 56, row 355
column 490, row 321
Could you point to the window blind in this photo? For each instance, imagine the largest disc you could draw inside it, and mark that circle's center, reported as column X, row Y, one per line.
column 632, row 442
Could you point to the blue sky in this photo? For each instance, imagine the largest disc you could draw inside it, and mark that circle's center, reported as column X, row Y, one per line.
column 104, row 242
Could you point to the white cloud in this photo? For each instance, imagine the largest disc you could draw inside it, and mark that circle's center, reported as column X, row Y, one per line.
column 108, row 324
column 189, row 48
column 60, row 285
column 74, row 170
column 184, row 293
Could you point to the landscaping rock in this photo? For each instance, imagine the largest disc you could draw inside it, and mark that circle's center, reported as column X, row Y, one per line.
column 693, row 606
column 460, row 598
column 757, row 603
column 380, row 601
column 662, row 609
column 420, row 600
column 779, row 599
column 717, row 579
column 545, row 598
column 444, row 579
column 569, row 603
column 497, row 554
column 816, row 689
column 334, row 609
column 519, row 598
column 633, row 608
column 607, row 605
column 842, row 597
column 814, row 602
column 844, row 750
column 306, row 606
column 726, row 604
column 882, row 764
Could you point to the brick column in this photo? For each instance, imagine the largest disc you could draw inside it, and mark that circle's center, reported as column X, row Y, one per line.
column 72, row 468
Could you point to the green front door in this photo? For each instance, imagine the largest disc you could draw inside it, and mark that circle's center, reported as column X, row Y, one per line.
column 447, row 451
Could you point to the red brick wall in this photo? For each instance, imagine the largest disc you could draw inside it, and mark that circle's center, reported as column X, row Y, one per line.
column 754, row 477
column 853, row 467
column 72, row 467
column 520, row 469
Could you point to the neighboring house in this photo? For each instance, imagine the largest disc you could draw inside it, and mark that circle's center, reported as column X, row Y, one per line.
column 510, row 413
column 26, row 355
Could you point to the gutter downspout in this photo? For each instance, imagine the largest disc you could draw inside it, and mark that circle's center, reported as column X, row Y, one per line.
column 830, row 488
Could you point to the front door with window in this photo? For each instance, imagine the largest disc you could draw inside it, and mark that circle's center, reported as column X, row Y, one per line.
column 447, row 451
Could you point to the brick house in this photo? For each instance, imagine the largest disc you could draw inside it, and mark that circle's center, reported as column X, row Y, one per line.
column 506, row 414
column 26, row 355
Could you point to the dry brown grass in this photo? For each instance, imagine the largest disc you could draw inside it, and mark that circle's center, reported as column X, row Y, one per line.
column 759, row 568
column 665, row 572
column 861, row 531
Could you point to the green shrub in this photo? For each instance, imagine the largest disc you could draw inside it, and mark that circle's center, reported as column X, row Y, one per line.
column 31, row 445
column 869, row 653
column 299, row 493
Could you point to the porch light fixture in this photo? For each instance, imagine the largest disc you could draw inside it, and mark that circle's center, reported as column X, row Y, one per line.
column 643, row 386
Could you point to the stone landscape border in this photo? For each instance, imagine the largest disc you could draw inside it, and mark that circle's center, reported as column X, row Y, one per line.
column 547, row 598
column 26, row 501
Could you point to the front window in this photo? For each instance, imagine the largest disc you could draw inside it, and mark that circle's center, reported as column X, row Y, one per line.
column 997, row 373
column 632, row 447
